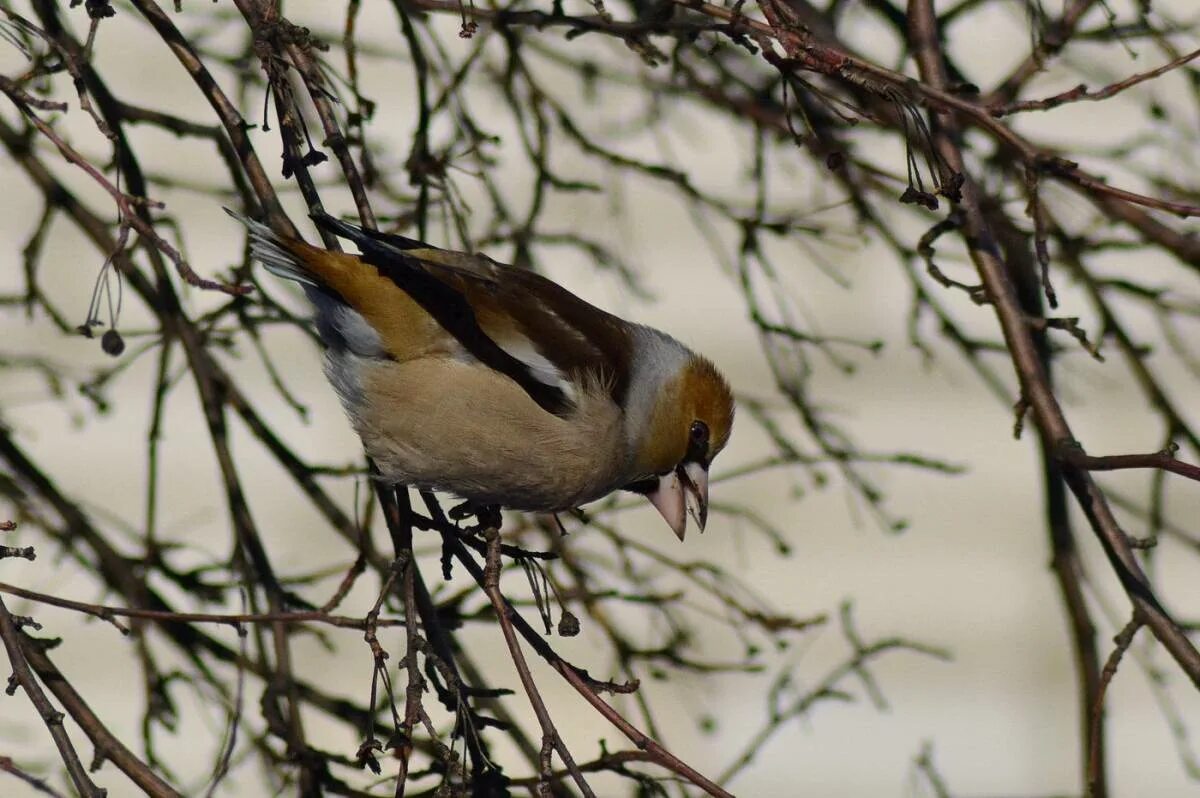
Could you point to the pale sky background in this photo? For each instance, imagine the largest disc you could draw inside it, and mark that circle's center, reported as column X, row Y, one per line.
column 971, row 574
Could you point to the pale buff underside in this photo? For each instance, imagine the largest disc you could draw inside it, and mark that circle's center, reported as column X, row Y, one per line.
column 448, row 424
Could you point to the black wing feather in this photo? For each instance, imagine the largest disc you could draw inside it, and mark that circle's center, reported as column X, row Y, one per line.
column 445, row 304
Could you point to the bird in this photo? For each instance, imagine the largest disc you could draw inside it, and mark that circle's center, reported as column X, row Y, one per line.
column 497, row 385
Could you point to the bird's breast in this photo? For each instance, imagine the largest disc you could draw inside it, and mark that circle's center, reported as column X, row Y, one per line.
column 456, row 425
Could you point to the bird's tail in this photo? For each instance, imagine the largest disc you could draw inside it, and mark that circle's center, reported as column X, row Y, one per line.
column 275, row 252
column 366, row 240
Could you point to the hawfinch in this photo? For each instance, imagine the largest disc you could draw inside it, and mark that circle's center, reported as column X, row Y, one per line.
column 495, row 384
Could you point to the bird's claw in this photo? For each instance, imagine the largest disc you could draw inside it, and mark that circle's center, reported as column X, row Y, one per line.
column 488, row 515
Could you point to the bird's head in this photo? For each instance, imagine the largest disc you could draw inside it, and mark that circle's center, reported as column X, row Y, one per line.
column 689, row 424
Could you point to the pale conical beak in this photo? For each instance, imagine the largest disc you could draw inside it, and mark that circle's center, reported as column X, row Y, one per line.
column 669, row 500
column 682, row 492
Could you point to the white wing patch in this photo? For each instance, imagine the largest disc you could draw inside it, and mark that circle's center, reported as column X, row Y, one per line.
column 540, row 367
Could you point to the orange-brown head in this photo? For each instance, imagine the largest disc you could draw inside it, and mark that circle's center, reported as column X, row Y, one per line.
column 689, row 424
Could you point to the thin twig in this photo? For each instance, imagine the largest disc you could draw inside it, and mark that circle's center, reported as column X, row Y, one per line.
column 14, row 643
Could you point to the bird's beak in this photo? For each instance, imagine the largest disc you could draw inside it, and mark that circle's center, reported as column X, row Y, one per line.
column 695, row 484
column 667, row 497
column 680, row 492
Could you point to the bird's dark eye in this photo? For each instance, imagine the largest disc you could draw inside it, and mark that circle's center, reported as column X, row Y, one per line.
column 699, row 433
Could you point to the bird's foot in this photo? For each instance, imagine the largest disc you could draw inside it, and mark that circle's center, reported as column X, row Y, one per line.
column 487, row 515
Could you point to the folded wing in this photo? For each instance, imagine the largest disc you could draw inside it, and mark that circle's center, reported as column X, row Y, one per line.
column 549, row 341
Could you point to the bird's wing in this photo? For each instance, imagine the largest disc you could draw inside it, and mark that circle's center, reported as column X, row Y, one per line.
column 551, row 342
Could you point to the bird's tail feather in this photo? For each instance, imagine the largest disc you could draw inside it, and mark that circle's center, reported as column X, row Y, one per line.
column 269, row 249
column 364, row 238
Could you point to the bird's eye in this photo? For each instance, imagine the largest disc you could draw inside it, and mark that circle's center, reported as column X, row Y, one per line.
column 699, row 433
